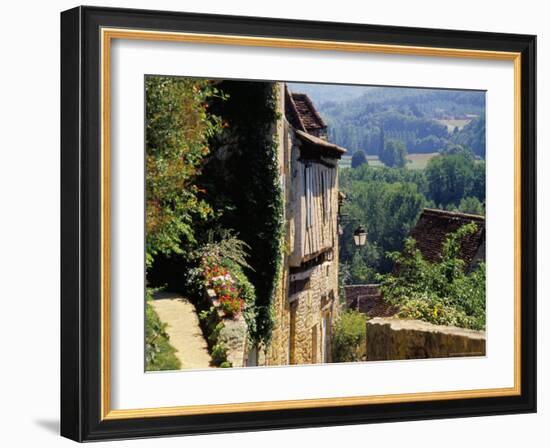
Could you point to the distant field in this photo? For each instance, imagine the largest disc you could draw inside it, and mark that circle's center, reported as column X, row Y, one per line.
column 452, row 123
column 416, row 161
column 419, row 161
column 374, row 161
column 345, row 162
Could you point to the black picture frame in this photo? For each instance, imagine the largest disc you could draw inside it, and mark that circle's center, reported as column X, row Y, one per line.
column 81, row 224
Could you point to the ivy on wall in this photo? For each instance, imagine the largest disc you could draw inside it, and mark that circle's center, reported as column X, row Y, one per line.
column 243, row 185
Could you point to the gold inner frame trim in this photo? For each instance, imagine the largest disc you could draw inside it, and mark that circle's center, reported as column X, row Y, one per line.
column 107, row 35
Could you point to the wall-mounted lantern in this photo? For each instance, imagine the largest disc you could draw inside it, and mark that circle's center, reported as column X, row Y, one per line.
column 360, row 236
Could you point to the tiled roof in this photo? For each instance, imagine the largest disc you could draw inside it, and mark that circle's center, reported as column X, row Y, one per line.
column 309, row 127
column 309, row 116
column 434, row 226
column 291, row 112
column 368, row 299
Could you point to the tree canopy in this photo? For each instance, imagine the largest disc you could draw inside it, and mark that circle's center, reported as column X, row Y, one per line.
column 388, row 201
column 454, row 177
column 358, row 158
column 422, row 119
column 178, row 129
column 394, row 153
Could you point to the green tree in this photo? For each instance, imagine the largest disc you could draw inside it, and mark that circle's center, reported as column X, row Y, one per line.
column 472, row 136
column 471, row 205
column 478, row 181
column 362, row 265
column 359, row 158
column 388, row 211
column 394, row 153
column 178, row 128
column 450, row 178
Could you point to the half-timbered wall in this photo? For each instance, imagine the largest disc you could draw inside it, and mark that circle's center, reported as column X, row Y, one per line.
column 313, row 207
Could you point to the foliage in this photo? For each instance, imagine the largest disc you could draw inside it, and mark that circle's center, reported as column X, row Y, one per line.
column 159, row 354
column 178, row 128
column 471, row 205
column 212, row 327
column 383, row 174
column 349, row 337
column 220, row 139
column 364, row 261
column 219, row 355
column 387, row 202
column 225, row 245
column 358, row 158
column 472, row 136
column 405, row 114
column 442, row 293
column 453, row 177
column 220, row 267
column 394, row 153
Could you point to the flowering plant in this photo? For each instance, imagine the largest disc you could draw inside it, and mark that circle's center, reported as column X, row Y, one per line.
column 218, row 278
column 231, row 305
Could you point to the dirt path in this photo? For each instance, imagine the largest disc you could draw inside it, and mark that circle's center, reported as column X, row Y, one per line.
column 183, row 328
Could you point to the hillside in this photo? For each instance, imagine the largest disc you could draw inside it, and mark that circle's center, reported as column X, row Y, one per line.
column 425, row 120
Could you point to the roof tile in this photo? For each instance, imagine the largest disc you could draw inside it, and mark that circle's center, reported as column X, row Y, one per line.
column 434, row 226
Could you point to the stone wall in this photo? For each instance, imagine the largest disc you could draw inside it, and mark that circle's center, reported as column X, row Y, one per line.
column 234, row 335
column 303, row 321
column 231, row 333
column 391, row 339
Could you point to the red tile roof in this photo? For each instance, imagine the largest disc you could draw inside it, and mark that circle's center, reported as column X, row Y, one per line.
column 309, row 116
column 291, row 112
column 434, row 226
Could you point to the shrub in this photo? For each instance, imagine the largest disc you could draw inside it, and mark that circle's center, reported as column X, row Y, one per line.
column 441, row 293
column 349, row 339
column 219, row 355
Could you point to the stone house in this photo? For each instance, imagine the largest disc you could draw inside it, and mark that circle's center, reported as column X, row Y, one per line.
column 306, row 302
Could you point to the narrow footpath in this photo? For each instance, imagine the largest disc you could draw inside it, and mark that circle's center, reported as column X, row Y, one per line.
column 183, row 328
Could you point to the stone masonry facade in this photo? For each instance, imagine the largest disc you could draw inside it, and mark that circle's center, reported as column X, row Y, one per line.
column 306, row 301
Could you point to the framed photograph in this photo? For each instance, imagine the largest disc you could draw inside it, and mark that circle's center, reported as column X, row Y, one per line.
column 276, row 224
